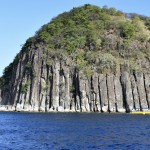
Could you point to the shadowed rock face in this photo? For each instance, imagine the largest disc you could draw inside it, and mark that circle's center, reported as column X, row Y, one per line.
column 36, row 85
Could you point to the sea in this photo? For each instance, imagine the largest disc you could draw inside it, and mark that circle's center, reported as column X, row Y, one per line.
column 74, row 131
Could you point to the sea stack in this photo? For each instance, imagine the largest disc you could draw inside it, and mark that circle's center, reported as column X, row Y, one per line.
column 90, row 59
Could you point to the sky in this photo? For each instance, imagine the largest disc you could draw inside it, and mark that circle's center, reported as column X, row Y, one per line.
column 20, row 19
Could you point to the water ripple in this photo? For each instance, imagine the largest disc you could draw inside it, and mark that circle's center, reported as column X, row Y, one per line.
column 75, row 131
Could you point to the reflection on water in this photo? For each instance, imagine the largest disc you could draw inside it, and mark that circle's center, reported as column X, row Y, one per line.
column 74, row 131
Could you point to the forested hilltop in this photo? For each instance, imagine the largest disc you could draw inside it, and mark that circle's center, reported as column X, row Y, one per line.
column 88, row 59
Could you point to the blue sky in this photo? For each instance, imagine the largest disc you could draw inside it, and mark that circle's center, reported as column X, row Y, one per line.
column 20, row 19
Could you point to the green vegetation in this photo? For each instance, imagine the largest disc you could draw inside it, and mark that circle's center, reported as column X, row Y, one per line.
column 28, row 65
column 49, row 62
column 127, row 30
column 96, row 39
column 148, row 23
column 24, row 87
column 4, row 80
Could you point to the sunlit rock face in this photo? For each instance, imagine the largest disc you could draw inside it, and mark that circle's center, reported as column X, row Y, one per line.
column 61, row 88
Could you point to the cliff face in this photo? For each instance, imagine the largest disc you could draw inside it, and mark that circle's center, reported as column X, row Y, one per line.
column 61, row 88
column 102, row 77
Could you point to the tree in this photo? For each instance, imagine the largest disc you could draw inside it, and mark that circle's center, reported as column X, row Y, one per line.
column 127, row 30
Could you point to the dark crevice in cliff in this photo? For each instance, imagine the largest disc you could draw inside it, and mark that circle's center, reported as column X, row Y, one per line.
column 125, row 105
column 51, row 86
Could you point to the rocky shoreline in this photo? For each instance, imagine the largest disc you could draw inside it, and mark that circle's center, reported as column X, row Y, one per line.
column 10, row 108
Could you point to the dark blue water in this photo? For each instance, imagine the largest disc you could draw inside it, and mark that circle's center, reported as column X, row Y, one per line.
column 74, row 131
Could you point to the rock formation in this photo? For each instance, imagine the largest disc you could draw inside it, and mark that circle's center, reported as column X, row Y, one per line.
column 110, row 74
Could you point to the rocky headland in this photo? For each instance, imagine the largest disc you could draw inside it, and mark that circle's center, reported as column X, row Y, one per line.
column 90, row 59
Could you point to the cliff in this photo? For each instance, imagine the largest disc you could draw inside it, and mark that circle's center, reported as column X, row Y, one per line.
column 89, row 59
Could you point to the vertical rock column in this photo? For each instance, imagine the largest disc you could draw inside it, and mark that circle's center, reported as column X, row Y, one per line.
column 22, row 96
column 111, row 94
column 147, row 87
column 135, row 93
column 49, row 88
column 34, row 97
column 72, row 90
column 127, row 91
column 67, row 89
column 141, row 90
column 61, row 91
column 87, row 97
column 84, row 98
column 15, row 85
column 77, row 91
column 103, row 93
column 96, row 92
column 43, row 88
column 55, row 90
column 118, row 94
column 27, row 102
